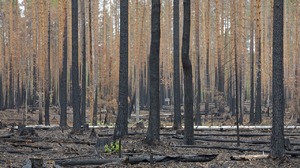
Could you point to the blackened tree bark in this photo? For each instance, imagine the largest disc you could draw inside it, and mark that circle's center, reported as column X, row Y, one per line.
column 258, row 52
column 75, row 81
column 11, row 86
column 63, row 99
column 277, row 137
column 83, row 75
column 198, row 77
column 251, row 120
column 154, row 117
column 95, row 105
column 219, row 50
column 48, row 78
column 188, row 78
column 236, row 77
column 121, row 128
column 94, row 116
column 6, row 98
column 208, row 94
column 18, row 94
column 34, row 96
column 176, row 83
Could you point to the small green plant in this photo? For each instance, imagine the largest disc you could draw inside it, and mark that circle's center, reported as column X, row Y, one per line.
column 113, row 147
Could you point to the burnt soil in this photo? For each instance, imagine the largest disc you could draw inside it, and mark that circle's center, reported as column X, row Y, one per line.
column 56, row 144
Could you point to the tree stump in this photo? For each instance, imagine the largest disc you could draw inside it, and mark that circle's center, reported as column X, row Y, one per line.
column 287, row 144
column 101, row 142
column 36, row 162
column 85, row 127
column 28, row 131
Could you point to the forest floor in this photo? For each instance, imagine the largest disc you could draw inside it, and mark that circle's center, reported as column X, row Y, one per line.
column 59, row 147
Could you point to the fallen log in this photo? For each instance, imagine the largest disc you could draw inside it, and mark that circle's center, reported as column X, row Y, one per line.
column 7, row 136
column 79, row 162
column 241, row 141
column 292, row 153
column 243, row 134
column 242, row 127
column 248, row 157
column 17, row 140
column 32, row 146
column 136, row 160
column 232, row 141
column 196, row 128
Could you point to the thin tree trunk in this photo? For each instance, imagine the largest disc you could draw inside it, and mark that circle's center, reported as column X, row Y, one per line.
column 198, row 77
column 75, row 81
column 251, row 120
column 63, row 77
column 93, row 96
column 176, row 83
column 258, row 54
column 83, row 75
column 236, row 76
column 207, row 96
column 95, row 107
column 48, row 78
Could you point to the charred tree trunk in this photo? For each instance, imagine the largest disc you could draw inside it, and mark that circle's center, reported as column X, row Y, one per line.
column 236, row 77
column 11, row 87
column 34, row 96
column 277, row 137
column 121, row 128
column 176, row 83
column 83, row 75
column 63, row 99
column 258, row 53
column 251, row 120
column 95, row 107
column 94, row 117
column 48, row 78
column 188, row 78
column 18, row 94
column 198, row 77
column 154, row 116
column 207, row 95
column 75, row 81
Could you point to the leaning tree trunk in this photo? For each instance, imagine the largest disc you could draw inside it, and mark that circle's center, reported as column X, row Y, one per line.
column 154, row 117
column 188, row 78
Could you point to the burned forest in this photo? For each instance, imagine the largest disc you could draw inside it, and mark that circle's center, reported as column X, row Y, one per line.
column 149, row 83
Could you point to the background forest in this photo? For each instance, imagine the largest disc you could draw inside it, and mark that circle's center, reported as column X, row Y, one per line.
column 36, row 55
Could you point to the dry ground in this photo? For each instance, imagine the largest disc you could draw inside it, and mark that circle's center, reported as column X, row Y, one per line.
column 56, row 144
